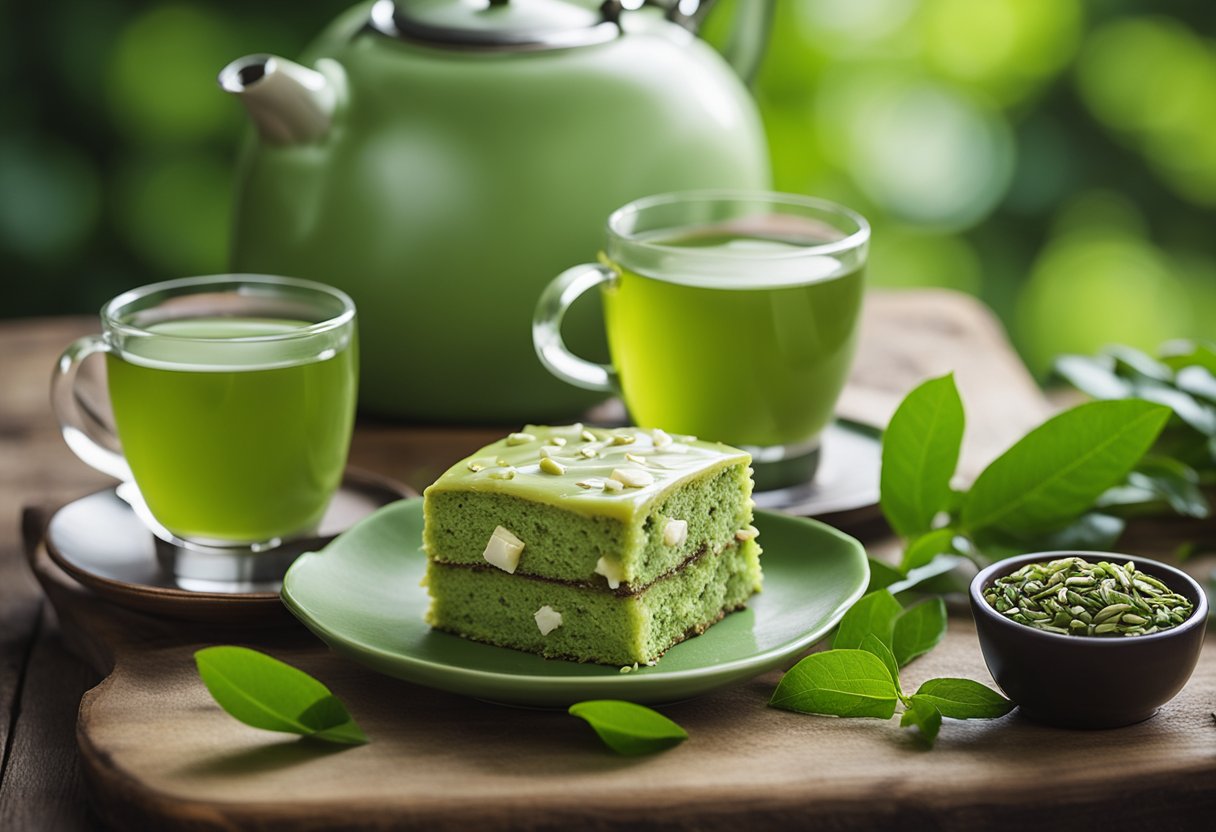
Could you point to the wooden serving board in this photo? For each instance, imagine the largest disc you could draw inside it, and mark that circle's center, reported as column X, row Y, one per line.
column 158, row 753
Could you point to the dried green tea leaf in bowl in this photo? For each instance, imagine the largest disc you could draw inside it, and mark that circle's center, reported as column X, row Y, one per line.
column 1072, row 596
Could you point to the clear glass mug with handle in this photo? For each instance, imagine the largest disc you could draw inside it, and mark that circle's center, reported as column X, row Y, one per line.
column 731, row 316
column 233, row 400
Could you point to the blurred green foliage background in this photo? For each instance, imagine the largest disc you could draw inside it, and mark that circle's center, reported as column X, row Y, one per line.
column 1057, row 158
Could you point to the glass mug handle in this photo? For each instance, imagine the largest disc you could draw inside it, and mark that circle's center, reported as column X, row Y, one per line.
column 84, row 431
column 554, row 302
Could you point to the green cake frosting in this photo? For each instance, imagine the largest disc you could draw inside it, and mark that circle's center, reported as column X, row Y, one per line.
column 588, row 457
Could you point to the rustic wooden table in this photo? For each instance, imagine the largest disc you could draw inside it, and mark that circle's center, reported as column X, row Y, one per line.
column 1163, row 772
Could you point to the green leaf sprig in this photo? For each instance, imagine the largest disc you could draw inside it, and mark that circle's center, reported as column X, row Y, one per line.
column 1182, row 462
column 859, row 676
column 1044, row 492
column 627, row 728
column 264, row 692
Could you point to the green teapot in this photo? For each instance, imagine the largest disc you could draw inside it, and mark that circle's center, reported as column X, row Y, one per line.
column 441, row 160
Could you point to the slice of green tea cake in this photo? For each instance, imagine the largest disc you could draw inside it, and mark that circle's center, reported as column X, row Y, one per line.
column 588, row 544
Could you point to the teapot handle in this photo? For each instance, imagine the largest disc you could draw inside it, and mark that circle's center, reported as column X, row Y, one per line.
column 749, row 32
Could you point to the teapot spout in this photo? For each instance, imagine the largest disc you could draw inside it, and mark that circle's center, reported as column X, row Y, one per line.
column 289, row 103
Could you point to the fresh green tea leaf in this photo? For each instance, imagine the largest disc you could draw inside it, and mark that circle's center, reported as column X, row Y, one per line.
column 872, row 644
column 1186, row 407
column 1173, row 482
column 1198, row 381
column 1093, row 376
column 1058, row 469
column 923, row 577
column 918, row 630
column 925, row 717
column 627, row 728
column 925, row 548
column 838, row 683
column 266, row 693
column 1133, row 363
column 920, row 449
column 964, row 699
column 1182, row 353
column 1093, row 530
column 882, row 575
column 874, row 613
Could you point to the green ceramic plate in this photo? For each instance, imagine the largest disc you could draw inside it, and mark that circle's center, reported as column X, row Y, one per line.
column 360, row 594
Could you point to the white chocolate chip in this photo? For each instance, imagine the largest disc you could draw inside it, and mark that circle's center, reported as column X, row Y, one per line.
column 675, row 532
column 552, row 466
column 633, row 477
column 747, row 534
column 610, row 568
column 613, row 486
column 660, row 437
column 503, row 550
column 547, row 619
column 545, row 452
column 591, row 483
column 520, row 438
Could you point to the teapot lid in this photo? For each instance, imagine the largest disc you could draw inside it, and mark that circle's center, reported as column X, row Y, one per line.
column 502, row 25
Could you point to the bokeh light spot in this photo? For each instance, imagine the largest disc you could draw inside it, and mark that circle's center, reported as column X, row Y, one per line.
column 161, row 79
column 49, row 198
column 175, row 212
column 925, row 153
column 1098, row 284
column 1008, row 48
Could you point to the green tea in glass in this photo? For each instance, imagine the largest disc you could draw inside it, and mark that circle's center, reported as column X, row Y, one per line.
column 233, row 400
column 730, row 316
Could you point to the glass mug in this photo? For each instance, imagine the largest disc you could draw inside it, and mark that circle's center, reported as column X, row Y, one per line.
column 731, row 316
column 233, row 399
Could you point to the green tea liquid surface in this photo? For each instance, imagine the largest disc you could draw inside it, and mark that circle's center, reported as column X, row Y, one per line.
column 750, row 352
column 233, row 442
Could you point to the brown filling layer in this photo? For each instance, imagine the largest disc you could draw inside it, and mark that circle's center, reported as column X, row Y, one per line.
column 623, row 591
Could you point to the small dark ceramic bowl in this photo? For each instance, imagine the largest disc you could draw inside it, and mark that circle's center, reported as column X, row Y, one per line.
column 1089, row 681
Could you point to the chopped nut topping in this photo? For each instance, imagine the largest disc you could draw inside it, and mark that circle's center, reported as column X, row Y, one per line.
column 552, row 466
column 747, row 534
column 503, row 550
column 610, row 568
column 633, row 477
column 640, row 460
column 545, row 452
column 547, row 619
column 505, row 472
column 520, row 438
column 623, row 439
column 591, row 483
column 587, row 436
column 588, row 453
column 660, row 437
column 502, row 462
column 475, row 466
column 613, row 485
column 675, row 532
column 557, row 441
